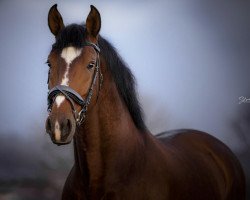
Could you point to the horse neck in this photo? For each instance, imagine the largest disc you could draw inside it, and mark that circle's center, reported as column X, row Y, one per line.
column 108, row 140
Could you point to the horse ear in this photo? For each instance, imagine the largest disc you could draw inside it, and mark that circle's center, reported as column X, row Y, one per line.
column 55, row 20
column 93, row 22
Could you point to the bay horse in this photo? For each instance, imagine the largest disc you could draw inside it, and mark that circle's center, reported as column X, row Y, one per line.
column 92, row 101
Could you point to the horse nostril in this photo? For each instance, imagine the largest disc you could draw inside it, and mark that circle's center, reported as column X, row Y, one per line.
column 48, row 126
column 66, row 127
column 69, row 125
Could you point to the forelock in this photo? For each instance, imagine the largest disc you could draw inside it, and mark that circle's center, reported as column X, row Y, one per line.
column 72, row 35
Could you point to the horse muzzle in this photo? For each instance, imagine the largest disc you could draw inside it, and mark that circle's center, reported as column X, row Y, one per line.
column 61, row 129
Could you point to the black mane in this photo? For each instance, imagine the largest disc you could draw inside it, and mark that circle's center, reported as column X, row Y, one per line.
column 74, row 35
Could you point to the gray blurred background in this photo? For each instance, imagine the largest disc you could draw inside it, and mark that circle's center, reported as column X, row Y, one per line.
column 190, row 58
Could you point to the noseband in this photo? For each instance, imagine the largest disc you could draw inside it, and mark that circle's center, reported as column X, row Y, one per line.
column 72, row 96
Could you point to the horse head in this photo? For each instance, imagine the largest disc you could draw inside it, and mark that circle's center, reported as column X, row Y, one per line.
column 73, row 72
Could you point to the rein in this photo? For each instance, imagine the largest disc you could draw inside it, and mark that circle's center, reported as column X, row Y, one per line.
column 73, row 97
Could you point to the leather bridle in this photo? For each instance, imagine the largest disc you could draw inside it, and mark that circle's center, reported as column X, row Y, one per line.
column 72, row 96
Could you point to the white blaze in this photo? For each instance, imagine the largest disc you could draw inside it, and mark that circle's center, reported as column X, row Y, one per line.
column 57, row 131
column 68, row 54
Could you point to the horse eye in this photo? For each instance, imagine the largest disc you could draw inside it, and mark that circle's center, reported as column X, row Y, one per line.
column 48, row 63
column 91, row 65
